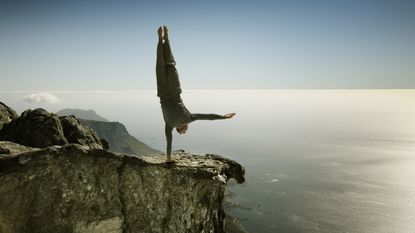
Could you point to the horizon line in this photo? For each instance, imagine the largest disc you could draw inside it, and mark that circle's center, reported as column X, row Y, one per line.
column 203, row 90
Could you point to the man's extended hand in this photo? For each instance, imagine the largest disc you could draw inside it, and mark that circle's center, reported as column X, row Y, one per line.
column 229, row 115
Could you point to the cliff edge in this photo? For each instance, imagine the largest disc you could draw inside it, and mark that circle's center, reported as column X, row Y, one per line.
column 76, row 188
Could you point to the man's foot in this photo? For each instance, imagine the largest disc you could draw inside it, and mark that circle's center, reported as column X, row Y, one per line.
column 160, row 33
column 170, row 161
column 229, row 115
column 166, row 32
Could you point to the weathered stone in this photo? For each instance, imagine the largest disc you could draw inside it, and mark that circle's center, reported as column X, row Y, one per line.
column 39, row 128
column 77, row 133
column 35, row 128
column 105, row 144
column 7, row 114
column 4, row 150
column 74, row 188
column 15, row 148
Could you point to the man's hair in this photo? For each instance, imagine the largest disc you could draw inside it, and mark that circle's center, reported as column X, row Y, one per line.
column 181, row 129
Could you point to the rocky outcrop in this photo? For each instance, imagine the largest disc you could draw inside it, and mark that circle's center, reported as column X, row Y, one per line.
column 39, row 128
column 74, row 188
column 118, row 138
column 7, row 114
column 75, row 132
column 115, row 133
column 35, row 128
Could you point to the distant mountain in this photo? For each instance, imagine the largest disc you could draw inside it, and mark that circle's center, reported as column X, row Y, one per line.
column 114, row 132
column 118, row 137
column 82, row 114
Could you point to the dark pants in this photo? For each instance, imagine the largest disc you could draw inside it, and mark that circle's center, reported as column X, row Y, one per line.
column 168, row 83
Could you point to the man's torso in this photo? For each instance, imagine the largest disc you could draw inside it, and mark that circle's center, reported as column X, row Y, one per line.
column 174, row 111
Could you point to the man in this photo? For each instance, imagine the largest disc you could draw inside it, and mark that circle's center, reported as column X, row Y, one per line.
column 175, row 114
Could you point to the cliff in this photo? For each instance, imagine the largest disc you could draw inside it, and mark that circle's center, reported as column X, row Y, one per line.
column 115, row 133
column 118, row 137
column 56, row 177
column 73, row 188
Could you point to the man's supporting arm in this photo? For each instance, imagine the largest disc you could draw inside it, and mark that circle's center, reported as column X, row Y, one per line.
column 169, row 138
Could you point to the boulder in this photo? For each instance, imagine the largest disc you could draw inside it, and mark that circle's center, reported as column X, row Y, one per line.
column 7, row 114
column 40, row 128
column 35, row 128
column 75, row 132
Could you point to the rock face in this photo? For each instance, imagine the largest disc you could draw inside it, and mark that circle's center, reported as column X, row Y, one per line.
column 115, row 133
column 77, row 133
column 118, row 138
column 35, row 128
column 6, row 114
column 39, row 128
column 73, row 188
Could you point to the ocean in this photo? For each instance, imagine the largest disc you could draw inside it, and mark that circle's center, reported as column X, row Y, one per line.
column 316, row 160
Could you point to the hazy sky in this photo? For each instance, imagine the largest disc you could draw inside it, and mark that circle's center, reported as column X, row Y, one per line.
column 95, row 45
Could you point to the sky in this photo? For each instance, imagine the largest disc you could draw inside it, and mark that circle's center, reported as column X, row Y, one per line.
column 264, row 44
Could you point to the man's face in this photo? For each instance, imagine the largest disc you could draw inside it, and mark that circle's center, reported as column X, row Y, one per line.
column 182, row 129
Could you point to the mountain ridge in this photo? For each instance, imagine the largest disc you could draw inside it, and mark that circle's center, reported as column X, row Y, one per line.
column 117, row 135
column 82, row 114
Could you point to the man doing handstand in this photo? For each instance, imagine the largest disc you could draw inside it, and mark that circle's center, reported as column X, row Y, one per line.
column 175, row 114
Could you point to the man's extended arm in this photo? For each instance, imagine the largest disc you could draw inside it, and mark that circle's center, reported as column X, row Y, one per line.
column 169, row 138
column 209, row 116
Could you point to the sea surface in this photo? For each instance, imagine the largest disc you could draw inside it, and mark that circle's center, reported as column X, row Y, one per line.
column 316, row 160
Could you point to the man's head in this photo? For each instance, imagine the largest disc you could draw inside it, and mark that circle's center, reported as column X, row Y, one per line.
column 181, row 129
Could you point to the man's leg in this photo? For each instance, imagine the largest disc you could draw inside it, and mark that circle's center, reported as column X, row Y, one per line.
column 161, row 72
column 168, row 55
column 173, row 76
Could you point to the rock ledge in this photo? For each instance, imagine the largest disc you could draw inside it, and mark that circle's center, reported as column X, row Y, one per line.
column 75, row 188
